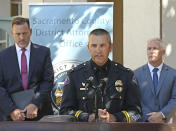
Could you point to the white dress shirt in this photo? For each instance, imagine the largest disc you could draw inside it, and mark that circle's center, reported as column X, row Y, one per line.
column 158, row 72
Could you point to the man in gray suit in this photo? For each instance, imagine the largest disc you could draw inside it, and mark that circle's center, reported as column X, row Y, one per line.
column 157, row 83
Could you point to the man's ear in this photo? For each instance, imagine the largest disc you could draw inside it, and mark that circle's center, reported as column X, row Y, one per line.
column 88, row 45
column 12, row 32
column 30, row 31
column 163, row 52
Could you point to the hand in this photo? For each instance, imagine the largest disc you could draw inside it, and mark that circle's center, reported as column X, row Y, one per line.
column 102, row 114
column 155, row 117
column 91, row 117
column 31, row 111
column 105, row 116
column 17, row 115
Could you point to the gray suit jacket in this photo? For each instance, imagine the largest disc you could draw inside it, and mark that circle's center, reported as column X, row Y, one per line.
column 164, row 99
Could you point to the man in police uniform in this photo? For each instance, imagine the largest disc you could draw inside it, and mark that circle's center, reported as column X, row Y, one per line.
column 101, row 89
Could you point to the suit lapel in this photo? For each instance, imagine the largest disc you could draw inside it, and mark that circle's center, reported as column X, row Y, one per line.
column 148, row 78
column 32, row 61
column 14, row 61
column 163, row 75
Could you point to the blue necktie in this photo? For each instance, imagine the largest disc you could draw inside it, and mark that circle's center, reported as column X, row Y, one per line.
column 155, row 78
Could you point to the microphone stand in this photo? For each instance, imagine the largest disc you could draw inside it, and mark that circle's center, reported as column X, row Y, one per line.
column 96, row 104
column 99, row 88
column 88, row 84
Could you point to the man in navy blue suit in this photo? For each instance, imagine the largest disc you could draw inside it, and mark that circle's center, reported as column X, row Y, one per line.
column 25, row 66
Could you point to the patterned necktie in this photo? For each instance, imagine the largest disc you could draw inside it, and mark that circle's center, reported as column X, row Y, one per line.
column 24, row 73
column 155, row 79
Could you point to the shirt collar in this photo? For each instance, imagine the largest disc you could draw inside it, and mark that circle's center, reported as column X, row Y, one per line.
column 152, row 67
column 19, row 49
column 105, row 67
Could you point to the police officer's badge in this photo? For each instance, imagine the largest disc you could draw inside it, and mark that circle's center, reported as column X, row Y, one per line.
column 119, row 89
column 118, row 86
column 118, row 83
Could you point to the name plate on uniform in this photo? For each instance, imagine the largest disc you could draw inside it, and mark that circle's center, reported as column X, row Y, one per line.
column 22, row 98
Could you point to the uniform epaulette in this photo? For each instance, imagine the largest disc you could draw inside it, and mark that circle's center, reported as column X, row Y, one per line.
column 129, row 70
column 121, row 67
column 77, row 67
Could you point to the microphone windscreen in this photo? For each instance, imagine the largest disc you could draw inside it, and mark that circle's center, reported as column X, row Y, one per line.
column 105, row 79
column 91, row 78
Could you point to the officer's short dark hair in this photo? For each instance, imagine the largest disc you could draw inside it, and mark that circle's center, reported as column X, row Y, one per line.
column 100, row 31
column 20, row 21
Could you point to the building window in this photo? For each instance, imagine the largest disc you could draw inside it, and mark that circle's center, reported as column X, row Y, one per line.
column 4, row 39
column 16, row 10
column 16, row 7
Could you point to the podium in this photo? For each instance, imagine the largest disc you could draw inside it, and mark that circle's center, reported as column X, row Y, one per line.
column 84, row 126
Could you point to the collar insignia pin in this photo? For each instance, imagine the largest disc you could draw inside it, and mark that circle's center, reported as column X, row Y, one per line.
column 83, row 84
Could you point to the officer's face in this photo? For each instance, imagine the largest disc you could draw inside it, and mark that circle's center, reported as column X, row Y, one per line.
column 21, row 34
column 99, row 48
column 155, row 53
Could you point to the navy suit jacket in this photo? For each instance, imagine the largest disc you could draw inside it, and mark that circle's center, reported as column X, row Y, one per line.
column 40, row 77
column 164, row 99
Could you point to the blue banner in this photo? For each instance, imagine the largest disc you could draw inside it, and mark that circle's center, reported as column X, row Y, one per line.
column 64, row 28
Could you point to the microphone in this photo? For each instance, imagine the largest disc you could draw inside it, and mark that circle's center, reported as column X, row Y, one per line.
column 101, row 88
column 102, row 82
column 88, row 82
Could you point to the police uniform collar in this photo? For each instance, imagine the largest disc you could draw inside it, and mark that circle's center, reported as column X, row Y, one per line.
column 105, row 67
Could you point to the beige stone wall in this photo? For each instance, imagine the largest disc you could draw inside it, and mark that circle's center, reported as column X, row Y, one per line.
column 65, row 0
column 169, row 30
column 141, row 22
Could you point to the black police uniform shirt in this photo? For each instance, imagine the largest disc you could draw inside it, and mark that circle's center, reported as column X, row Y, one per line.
column 121, row 95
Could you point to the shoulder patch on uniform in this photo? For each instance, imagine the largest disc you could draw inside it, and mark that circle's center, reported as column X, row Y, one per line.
column 67, row 81
column 134, row 79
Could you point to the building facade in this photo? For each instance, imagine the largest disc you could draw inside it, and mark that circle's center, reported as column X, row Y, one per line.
column 135, row 21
